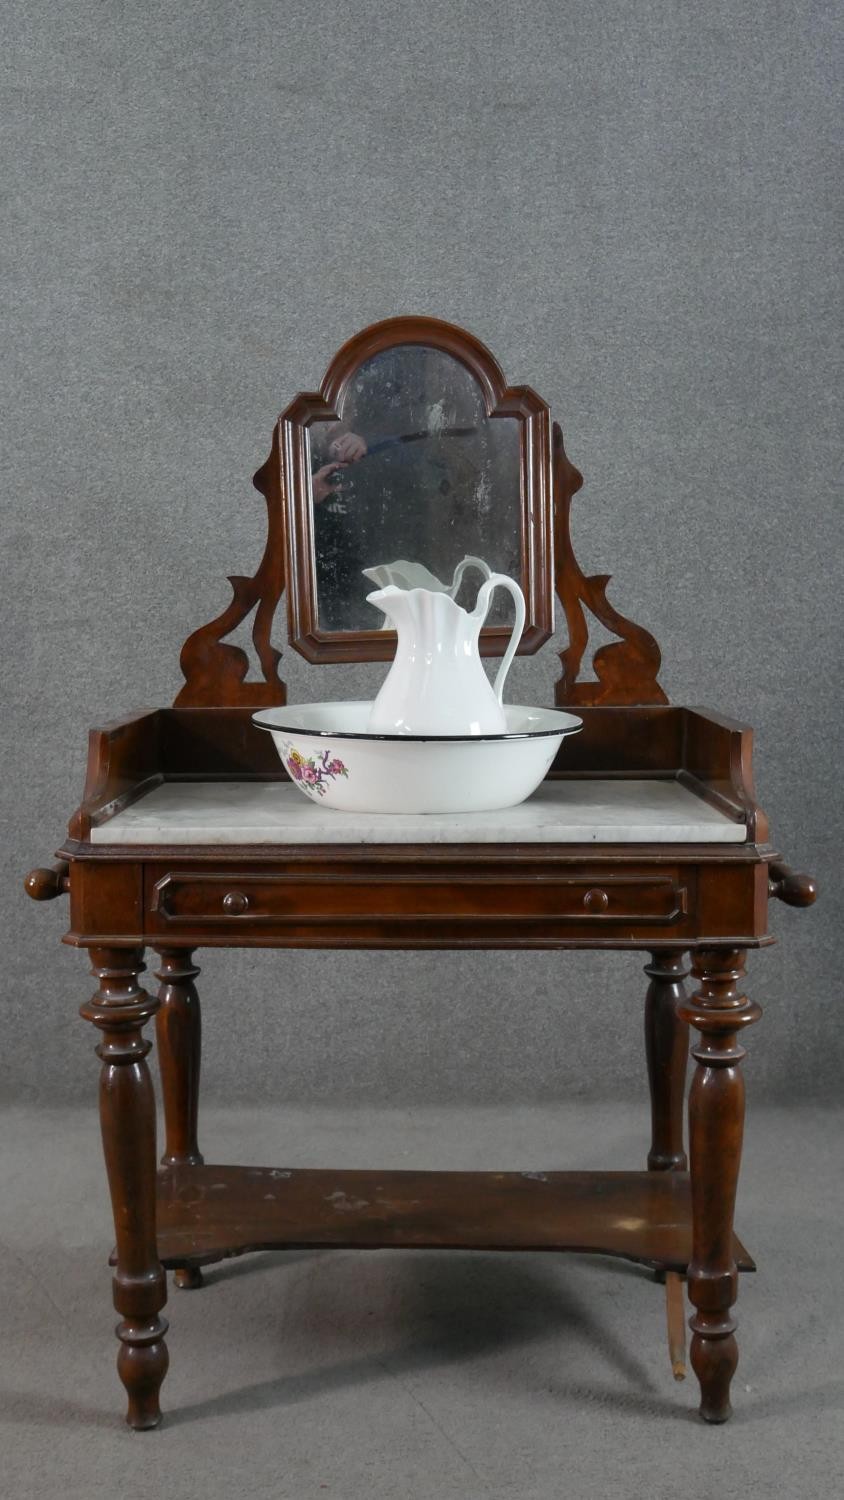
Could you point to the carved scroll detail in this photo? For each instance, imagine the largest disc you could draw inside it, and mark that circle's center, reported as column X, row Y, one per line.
column 214, row 671
column 626, row 669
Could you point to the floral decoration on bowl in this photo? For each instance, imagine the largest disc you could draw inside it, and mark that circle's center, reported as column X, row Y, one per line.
column 313, row 775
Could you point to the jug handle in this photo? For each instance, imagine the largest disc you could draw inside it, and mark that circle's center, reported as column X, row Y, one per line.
column 482, row 609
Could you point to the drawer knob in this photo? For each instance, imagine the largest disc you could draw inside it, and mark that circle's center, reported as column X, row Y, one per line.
column 235, row 903
column 596, row 900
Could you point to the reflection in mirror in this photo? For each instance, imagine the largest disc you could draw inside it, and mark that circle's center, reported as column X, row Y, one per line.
column 412, row 484
column 408, row 575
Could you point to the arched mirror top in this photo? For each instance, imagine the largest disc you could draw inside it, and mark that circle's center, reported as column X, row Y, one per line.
column 414, row 463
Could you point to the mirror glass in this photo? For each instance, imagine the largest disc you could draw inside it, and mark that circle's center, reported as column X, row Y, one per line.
column 413, row 484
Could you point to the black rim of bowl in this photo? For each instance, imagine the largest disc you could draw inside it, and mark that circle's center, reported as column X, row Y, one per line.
column 404, row 739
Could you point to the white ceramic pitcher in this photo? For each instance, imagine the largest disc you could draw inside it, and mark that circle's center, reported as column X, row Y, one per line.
column 437, row 684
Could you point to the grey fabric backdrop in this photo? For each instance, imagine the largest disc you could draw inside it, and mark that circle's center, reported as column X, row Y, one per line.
column 634, row 206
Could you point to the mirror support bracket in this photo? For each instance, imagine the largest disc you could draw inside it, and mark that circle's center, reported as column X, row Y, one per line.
column 626, row 669
column 215, row 671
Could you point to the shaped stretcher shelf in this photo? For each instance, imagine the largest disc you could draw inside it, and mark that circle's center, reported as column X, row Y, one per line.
column 208, row 1213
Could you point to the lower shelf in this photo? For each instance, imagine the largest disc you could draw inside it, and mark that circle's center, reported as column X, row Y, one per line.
column 209, row 1213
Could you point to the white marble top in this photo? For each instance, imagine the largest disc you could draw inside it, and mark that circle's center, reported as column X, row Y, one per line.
column 560, row 812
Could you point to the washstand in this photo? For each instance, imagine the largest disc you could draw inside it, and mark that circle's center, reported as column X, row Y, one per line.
column 644, row 836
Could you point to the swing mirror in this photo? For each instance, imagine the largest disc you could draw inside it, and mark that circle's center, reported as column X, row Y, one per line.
column 415, row 464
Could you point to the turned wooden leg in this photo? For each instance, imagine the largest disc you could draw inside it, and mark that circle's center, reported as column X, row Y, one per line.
column 667, row 1051
column 120, row 1009
column 178, row 1034
column 718, row 1011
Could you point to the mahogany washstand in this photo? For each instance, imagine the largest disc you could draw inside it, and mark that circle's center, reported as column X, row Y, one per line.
column 707, row 897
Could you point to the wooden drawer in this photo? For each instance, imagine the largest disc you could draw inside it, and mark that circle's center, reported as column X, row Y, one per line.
column 239, row 901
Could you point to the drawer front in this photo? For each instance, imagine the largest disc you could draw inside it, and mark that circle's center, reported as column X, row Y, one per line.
column 250, row 902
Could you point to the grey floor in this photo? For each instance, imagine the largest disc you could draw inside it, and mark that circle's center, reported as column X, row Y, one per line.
column 313, row 1376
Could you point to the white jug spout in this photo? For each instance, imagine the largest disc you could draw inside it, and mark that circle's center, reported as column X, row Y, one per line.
column 386, row 599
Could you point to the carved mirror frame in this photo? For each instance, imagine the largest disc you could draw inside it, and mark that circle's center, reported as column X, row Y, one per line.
column 306, row 636
column 624, row 671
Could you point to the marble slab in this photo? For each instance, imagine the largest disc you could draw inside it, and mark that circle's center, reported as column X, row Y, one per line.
column 564, row 812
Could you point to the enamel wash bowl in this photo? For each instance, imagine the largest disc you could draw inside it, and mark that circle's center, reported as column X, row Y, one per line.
column 336, row 762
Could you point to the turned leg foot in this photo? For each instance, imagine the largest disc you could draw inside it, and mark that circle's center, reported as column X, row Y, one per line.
column 714, row 1356
column 178, row 1034
column 718, row 1011
column 187, row 1278
column 120, row 1009
column 142, row 1367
